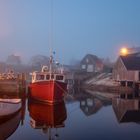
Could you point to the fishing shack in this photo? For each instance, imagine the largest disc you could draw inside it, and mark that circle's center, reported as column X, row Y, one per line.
column 127, row 71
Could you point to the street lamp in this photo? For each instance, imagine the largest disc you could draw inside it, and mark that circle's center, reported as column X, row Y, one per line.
column 124, row 51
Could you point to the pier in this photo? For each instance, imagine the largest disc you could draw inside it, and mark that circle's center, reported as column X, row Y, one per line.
column 13, row 85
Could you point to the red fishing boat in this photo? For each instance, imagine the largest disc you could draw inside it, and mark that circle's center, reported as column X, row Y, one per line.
column 49, row 84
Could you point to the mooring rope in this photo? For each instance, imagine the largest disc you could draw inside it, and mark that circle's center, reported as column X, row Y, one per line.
column 65, row 91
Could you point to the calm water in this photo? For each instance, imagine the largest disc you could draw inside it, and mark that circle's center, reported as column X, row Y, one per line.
column 81, row 117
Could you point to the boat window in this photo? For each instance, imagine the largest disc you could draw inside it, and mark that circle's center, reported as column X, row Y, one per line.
column 40, row 77
column 37, row 77
column 52, row 76
column 47, row 77
column 59, row 77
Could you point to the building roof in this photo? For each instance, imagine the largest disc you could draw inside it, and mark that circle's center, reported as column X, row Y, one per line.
column 13, row 59
column 131, row 62
column 91, row 58
column 134, row 50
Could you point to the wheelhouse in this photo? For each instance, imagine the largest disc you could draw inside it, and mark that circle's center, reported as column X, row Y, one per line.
column 36, row 76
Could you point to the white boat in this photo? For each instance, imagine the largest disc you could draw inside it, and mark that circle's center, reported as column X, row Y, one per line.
column 9, row 106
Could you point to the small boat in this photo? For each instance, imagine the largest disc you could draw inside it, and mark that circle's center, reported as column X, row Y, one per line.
column 49, row 84
column 46, row 117
column 12, row 111
column 9, row 106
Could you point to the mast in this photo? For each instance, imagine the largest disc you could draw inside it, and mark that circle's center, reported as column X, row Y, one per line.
column 51, row 34
column 51, row 61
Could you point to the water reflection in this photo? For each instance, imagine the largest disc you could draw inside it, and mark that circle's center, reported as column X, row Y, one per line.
column 89, row 117
column 12, row 111
column 127, row 110
column 89, row 104
column 47, row 117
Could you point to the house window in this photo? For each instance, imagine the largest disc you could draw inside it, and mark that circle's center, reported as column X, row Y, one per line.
column 83, row 66
column 87, row 60
column 90, row 68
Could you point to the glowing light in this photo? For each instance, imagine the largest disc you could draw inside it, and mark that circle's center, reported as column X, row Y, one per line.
column 124, row 51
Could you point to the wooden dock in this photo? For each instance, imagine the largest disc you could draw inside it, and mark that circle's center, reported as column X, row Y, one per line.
column 13, row 85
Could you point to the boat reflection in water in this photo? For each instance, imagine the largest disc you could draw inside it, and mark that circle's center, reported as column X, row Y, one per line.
column 127, row 110
column 46, row 117
column 11, row 114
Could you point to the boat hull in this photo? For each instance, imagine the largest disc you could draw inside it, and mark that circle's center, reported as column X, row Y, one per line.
column 9, row 106
column 48, row 91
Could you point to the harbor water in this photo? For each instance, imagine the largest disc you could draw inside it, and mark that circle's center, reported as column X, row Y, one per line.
column 81, row 117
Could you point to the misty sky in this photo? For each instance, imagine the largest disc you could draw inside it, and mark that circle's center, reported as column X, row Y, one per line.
column 98, row 27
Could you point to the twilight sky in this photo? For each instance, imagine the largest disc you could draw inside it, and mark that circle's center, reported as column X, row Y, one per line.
column 99, row 27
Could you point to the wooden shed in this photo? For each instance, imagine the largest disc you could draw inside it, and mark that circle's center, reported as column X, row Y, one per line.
column 91, row 63
column 127, row 68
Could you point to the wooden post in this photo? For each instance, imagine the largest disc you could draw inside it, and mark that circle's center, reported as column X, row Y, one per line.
column 136, row 90
column 125, row 88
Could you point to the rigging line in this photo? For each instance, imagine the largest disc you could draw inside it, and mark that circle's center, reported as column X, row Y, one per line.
column 65, row 91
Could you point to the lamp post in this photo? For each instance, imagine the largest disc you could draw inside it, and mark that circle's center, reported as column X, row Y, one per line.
column 124, row 51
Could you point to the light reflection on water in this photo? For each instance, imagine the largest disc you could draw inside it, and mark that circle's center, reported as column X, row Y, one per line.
column 81, row 117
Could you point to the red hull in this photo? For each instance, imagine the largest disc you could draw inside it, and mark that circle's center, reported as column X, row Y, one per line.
column 48, row 91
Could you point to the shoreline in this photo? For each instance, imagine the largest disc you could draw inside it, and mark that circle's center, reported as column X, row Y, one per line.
column 105, row 86
column 108, row 92
column 108, row 96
